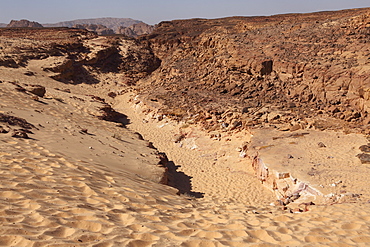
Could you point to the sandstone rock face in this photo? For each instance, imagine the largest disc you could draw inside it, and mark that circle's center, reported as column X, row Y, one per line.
column 295, row 67
column 24, row 23
column 136, row 29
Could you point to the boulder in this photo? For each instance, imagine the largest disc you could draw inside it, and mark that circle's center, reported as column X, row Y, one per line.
column 36, row 90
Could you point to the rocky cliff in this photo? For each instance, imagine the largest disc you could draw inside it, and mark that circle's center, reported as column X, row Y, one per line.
column 287, row 71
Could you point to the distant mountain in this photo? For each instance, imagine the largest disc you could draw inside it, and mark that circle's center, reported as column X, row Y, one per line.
column 102, row 26
column 99, row 29
column 136, row 29
column 24, row 23
column 111, row 23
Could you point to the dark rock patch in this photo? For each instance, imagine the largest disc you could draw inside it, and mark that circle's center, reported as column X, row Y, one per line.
column 365, row 158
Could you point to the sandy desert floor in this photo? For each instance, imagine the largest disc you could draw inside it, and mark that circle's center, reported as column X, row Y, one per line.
column 81, row 181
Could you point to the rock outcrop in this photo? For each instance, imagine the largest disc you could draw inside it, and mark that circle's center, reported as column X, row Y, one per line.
column 24, row 23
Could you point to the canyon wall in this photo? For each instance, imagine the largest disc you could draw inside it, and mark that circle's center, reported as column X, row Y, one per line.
column 280, row 70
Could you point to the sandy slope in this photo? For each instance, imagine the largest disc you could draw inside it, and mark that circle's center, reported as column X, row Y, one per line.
column 216, row 169
column 56, row 191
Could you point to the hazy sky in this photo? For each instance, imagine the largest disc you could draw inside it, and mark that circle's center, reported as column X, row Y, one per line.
column 154, row 11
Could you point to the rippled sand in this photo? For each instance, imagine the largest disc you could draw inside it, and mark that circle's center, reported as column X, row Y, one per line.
column 62, row 187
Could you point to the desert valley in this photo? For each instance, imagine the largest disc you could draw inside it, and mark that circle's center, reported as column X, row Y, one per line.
column 239, row 131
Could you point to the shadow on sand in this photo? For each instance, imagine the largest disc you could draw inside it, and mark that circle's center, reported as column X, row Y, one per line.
column 181, row 181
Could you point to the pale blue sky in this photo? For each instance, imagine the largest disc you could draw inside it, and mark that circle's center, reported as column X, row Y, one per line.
column 154, row 11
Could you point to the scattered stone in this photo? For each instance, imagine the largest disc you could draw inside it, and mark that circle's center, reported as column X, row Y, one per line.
column 273, row 116
column 321, row 145
column 112, row 94
column 216, row 137
column 150, row 145
column 364, row 158
column 29, row 73
column 178, row 137
column 139, row 136
column 306, row 204
column 19, row 134
column 36, row 89
column 295, row 127
column 20, row 89
column 35, row 97
column 365, row 148
column 243, row 149
column 2, row 130
column 296, row 211
column 11, row 120
column 282, row 175
column 85, row 131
